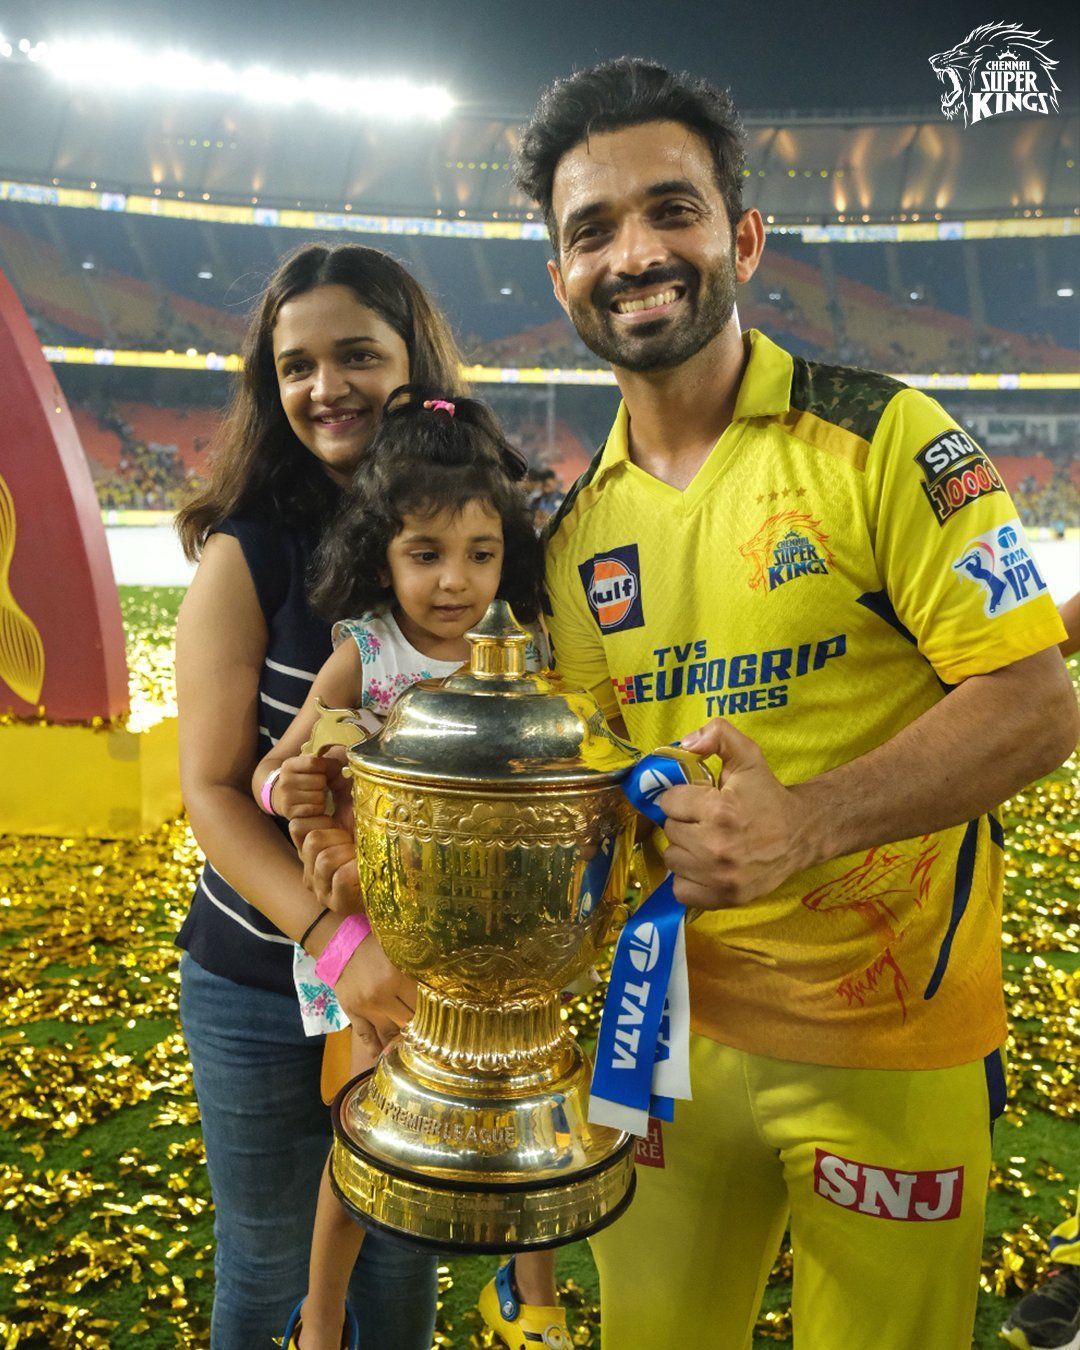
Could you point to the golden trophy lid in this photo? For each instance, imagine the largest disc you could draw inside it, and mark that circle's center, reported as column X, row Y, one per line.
column 494, row 723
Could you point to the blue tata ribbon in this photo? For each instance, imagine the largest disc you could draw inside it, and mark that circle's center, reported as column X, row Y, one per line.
column 642, row 1050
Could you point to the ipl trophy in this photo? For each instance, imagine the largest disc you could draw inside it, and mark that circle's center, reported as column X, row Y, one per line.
column 494, row 843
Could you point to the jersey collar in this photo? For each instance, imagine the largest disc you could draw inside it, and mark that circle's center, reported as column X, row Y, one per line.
column 765, row 391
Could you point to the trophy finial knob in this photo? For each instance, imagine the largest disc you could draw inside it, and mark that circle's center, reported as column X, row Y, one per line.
column 497, row 644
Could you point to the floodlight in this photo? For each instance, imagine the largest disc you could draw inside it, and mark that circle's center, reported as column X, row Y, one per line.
column 117, row 65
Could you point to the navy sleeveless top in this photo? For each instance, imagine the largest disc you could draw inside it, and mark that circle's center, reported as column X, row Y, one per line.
column 222, row 932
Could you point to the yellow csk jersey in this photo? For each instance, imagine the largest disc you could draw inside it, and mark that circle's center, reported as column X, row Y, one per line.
column 843, row 556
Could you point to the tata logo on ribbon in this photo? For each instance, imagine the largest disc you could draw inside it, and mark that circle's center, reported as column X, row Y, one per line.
column 644, row 948
column 654, row 784
column 612, row 583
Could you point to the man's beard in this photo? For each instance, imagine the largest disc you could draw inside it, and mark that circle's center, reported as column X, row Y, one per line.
column 710, row 300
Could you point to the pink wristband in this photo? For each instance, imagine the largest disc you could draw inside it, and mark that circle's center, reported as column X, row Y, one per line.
column 353, row 930
column 267, row 792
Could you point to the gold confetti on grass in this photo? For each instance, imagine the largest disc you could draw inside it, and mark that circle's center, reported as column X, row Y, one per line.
column 105, row 1215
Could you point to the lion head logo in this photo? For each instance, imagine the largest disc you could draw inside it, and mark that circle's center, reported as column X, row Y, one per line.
column 788, row 544
column 968, row 70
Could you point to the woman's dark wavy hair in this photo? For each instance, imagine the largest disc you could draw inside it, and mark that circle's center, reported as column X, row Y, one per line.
column 256, row 461
column 624, row 93
column 422, row 461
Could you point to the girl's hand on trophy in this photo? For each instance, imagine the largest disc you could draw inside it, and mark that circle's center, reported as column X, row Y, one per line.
column 300, row 791
column 334, row 758
column 372, row 1039
column 371, row 990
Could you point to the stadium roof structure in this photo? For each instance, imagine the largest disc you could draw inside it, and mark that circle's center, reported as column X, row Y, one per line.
column 819, row 171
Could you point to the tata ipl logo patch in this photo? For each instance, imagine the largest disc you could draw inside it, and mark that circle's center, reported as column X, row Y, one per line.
column 998, row 68
column 1000, row 562
column 612, row 582
column 789, row 545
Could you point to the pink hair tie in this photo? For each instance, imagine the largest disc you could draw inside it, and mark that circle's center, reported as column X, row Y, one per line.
column 443, row 405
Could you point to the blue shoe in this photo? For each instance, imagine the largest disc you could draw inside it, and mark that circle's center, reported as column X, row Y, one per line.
column 350, row 1332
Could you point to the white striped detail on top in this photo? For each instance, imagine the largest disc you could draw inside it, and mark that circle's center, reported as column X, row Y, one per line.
column 266, row 937
column 289, row 670
column 276, row 703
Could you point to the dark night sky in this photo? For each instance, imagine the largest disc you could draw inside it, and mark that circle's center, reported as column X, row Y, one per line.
column 774, row 54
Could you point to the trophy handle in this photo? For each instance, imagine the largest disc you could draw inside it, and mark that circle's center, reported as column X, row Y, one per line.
column 334, row 726
column 697, row 771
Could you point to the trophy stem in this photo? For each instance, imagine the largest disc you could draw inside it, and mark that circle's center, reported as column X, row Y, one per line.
column 520, row 1044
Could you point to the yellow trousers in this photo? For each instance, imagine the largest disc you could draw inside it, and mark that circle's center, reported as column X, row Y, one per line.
column 881, row 1173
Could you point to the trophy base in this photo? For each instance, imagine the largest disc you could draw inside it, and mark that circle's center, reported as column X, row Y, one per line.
column 485, row 1213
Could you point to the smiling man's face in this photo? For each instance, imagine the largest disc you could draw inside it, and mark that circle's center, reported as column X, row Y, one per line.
column 646, row 263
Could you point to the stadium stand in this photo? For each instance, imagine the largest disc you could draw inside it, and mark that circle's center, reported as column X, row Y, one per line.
column 103, row 445
column 187, row 431
column 106, row 307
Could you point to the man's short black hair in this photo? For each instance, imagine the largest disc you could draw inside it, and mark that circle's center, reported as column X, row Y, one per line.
column 625, row 93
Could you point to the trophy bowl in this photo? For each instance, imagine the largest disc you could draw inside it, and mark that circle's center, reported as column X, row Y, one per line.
column 493, row 842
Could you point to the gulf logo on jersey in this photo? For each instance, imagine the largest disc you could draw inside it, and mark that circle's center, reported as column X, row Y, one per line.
column 612, row 583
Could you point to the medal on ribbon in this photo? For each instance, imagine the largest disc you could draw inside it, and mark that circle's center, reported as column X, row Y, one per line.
column 643, row 1047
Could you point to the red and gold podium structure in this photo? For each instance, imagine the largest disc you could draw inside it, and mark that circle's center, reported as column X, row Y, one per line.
column 70, row 764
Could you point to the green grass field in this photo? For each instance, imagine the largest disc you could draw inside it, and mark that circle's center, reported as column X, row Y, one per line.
column 106, row 1226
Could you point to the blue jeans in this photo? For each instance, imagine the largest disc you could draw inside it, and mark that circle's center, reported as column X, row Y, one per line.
column 267, row 1136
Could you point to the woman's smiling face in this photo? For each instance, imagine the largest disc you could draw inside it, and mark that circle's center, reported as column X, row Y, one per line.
column 336, row 362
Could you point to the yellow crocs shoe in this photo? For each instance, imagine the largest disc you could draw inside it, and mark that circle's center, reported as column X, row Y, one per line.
column 523, row 1326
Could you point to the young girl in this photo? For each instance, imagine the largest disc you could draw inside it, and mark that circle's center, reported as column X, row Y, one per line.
column 434, row 529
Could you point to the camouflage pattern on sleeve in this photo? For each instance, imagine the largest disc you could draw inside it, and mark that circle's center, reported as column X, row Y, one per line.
column 843, row 395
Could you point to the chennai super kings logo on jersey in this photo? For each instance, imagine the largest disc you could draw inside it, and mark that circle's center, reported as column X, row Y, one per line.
column 789, row 545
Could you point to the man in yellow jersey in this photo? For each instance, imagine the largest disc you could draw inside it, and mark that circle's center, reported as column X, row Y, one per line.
column 814, row 576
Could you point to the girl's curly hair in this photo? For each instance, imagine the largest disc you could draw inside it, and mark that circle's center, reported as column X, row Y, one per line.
column 422, row 461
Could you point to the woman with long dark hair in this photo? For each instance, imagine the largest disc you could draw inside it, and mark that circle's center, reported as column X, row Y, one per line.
column 336, row 330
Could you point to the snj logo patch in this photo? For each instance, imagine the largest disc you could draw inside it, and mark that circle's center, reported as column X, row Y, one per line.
column 885, row 1193
column 955, row 472
column 1000, row 562
column 612, row 582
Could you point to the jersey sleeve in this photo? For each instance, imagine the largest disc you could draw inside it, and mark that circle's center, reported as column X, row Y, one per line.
column 576, row 647
column 956, row 563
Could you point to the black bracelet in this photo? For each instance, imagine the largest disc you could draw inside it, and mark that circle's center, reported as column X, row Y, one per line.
column 312, row 926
